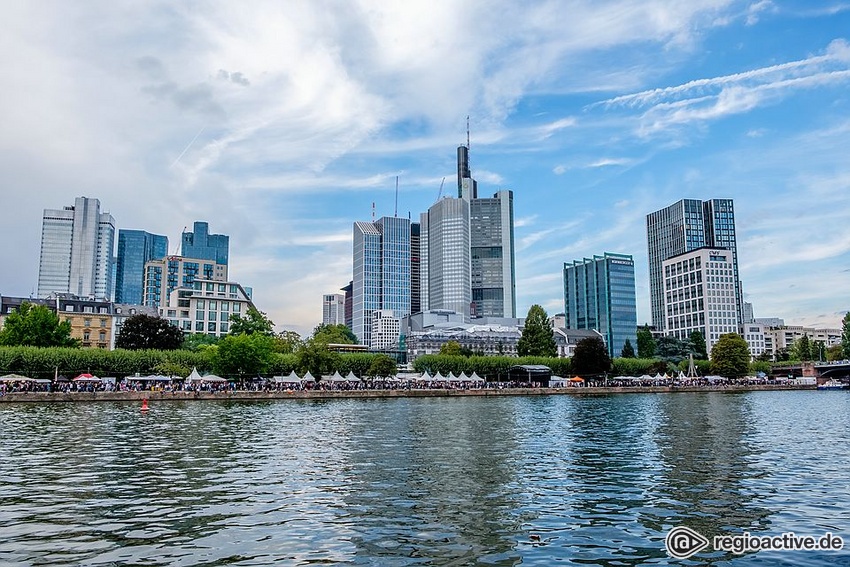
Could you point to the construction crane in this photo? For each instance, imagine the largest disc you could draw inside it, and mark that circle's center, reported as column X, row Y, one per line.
column 440, row 194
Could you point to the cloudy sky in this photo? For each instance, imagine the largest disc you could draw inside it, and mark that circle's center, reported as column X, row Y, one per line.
column 280, row 123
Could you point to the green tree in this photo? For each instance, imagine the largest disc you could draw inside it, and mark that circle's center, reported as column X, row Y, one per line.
column 835, row 352
column 730, row 356
column 628, row 350
column 845, row 335
column 287, row 342
column 38, row 326
column 243, row 355
column 698, row 346
column 172, row 369
column 254, row 322
column 313, row 356
column 143, row 332
column 382, row 366
column 590, row 357
column 537, row 338
column 802, row 348
column 451, row 348
column 671, row 349
column 784, row 354
column 197, row 342
column 334, row 334
column 645, row 343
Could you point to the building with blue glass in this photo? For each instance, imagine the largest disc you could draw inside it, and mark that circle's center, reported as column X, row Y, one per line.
column 382, row 278
column 684, row 226
column 599, row 294
column 135, row 248
column 205, row 246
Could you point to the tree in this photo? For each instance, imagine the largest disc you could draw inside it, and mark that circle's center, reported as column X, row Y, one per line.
column 287, row 342
column 245, row 355
column 671, row 349
column 845, row 335
column 38, row 326
column 645, row 343
column 783, row 354
column 590, row 357
column 628, row 350
column 334, row 334
column 199, row 341
column 537, row 339
column 730, row 356
column 698, row 346
column 451, row 348
column 314, row 357
column 835, row 352
column 141, row 332
column 255, row 321
column 802, row 348
column 382, row 366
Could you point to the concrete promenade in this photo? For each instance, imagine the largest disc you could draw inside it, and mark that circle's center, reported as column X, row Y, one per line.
column 244, row 395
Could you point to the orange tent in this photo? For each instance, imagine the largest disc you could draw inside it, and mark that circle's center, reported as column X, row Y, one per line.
column 576, row 379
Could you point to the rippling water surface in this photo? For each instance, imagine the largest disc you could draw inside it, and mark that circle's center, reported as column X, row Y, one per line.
column 450, row 481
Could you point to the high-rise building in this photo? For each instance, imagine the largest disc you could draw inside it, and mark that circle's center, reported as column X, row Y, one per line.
column 415, row 268
column 381, row 272
column 445, row 258
column 700, row 294
column 135, row 248
column 492, row 249
column 77, row 246
column 333, row 309
column 492, row 268
column 684, row 226
column 599, row 294
column 165, row 275
column 349, row 305
column 386, row 329
column 205, row 246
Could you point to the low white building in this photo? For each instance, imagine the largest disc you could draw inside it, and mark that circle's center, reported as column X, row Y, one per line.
column 783, row 337
column 386, row 329
column 206, row 306
column 753, row 333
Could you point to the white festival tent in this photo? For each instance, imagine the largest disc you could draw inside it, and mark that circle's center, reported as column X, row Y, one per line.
column 308, row 377
column 463, row 377
column 475, row 378
column 425, row 377
column 212, row 378
column 438, row 377
column 350, row 377
column 337, row 377
column 194, row 376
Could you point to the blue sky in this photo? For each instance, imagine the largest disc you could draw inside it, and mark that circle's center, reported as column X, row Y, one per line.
column 280, row 123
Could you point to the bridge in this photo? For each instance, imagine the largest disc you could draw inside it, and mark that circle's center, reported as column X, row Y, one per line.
column 840, row 370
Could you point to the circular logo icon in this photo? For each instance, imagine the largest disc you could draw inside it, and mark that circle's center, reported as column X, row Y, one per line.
column 684, row 542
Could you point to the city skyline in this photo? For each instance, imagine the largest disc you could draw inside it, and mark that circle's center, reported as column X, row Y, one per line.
column 281, row 129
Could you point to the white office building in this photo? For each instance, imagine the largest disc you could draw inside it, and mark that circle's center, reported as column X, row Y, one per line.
column 333, row 309
column 205, row 306
column 386, row 329
column 77, row 251
column 700, row 294
column 445, row 256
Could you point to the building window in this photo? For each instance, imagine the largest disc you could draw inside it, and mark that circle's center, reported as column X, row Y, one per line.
column 86, row 336
column 213, row 305
column 199, row 315
column 87, row 322
column 237, row 307
column 103, row 322
column 211, row 327
column 225, row 306
column 199, row 326
column 225, row 316
column 201, row 304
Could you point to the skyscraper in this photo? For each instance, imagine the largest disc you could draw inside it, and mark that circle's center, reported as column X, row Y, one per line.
column 77, row 245
column 415, row 268
column 333, row 309
column 493, row 273
column 205, row 246
column 684, row 226
column 135, row 247
column 599, row 294
column 381, row 272
column 445, row 258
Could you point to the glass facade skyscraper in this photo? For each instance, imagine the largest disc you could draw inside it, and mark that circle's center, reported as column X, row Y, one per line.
column 492, row 255
column 77, row 247
column 205, row 246
column 381, row 272
column 599, row 294
column 682, row 227
column 445, row 258
column 135, row 247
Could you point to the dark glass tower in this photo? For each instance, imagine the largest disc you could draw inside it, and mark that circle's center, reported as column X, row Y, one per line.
column 135, row 247
column 202, row 245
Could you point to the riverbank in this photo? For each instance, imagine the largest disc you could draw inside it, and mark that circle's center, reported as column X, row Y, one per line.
column 243, row 395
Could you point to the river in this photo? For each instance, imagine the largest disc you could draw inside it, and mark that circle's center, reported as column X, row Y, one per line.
column 446, row 481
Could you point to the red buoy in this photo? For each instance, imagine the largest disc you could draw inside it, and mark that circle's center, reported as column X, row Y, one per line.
column 145, row 405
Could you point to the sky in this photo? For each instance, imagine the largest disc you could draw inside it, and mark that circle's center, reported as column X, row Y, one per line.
column 281, row 123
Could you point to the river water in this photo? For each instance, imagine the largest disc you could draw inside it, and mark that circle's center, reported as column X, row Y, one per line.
column 446, row 481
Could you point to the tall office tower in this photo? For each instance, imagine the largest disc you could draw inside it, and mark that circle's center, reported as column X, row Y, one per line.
column 349, row 305
column 77, row 245
column 415, row 267
column 684, row 226
column 445, row 258
column 135, row 248
column 164, row 275
column 699, row 294
column 492, row 240
column 599, row 294
column 333, row 309
column 493, row 273
column 205, row 246
column 381, row 272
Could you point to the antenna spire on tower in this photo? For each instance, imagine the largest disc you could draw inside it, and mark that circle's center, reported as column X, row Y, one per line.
column 467, row 131
column 395, row 213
